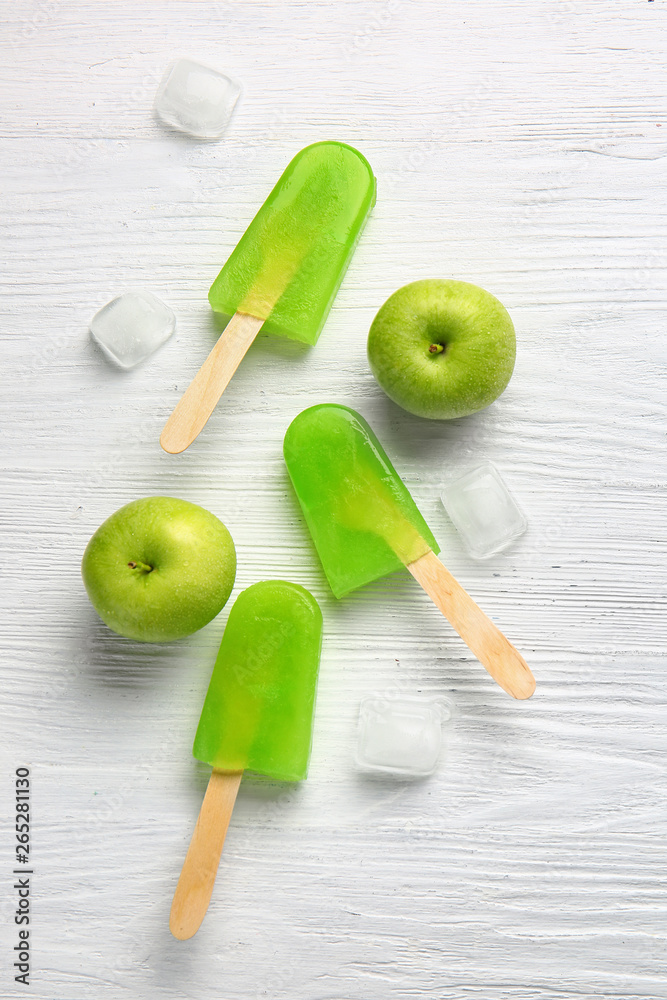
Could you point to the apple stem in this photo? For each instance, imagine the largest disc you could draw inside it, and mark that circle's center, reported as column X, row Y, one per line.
column 436, row 348
column 140, row 566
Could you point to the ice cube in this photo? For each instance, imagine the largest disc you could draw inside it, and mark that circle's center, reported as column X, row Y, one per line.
column 483, row 511
column 400, row 737
column 131, row 327
column 196, row 99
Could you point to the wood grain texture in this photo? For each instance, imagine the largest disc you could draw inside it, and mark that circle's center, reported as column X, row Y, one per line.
column 519, row 146
column 197, row 878
column 494, row 651
column 197, row 403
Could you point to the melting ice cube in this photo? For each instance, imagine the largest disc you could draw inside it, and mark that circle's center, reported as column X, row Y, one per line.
column 400, row 737
column 131, row 327
column 483, row 511
column 196, row 99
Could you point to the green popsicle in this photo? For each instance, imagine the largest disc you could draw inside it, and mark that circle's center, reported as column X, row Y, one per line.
column 258, row 711
column 365, row 524
column 360, row 514
column 284, row 273
column 290, row 262
column 257, row 715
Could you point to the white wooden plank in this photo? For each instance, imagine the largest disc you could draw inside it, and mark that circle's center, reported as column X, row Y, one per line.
column 519, row 146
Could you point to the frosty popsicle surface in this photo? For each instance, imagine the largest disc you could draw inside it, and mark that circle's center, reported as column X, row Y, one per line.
column 362, row 519
column 290, row 262
column 365, row 524
column 284, row 274
column 258, row 712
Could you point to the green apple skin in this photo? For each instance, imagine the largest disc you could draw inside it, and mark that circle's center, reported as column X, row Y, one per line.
column 442, row 348
column 159, row 569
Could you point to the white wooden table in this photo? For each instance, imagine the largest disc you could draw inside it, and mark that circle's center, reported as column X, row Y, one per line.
column 521, row 146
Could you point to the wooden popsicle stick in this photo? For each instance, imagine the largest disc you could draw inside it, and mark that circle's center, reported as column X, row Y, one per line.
column 505, row 664
column 195, row 885
column 200, row 398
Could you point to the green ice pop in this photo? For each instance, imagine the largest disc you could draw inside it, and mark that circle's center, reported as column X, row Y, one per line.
column 362, row 518
column 365, row 524
column 257, row 715
column 284, row 274
column 258, row 712
column 290, row 262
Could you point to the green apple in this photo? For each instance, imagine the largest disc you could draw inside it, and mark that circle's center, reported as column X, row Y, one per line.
column 442, row 348
column 159, row 569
